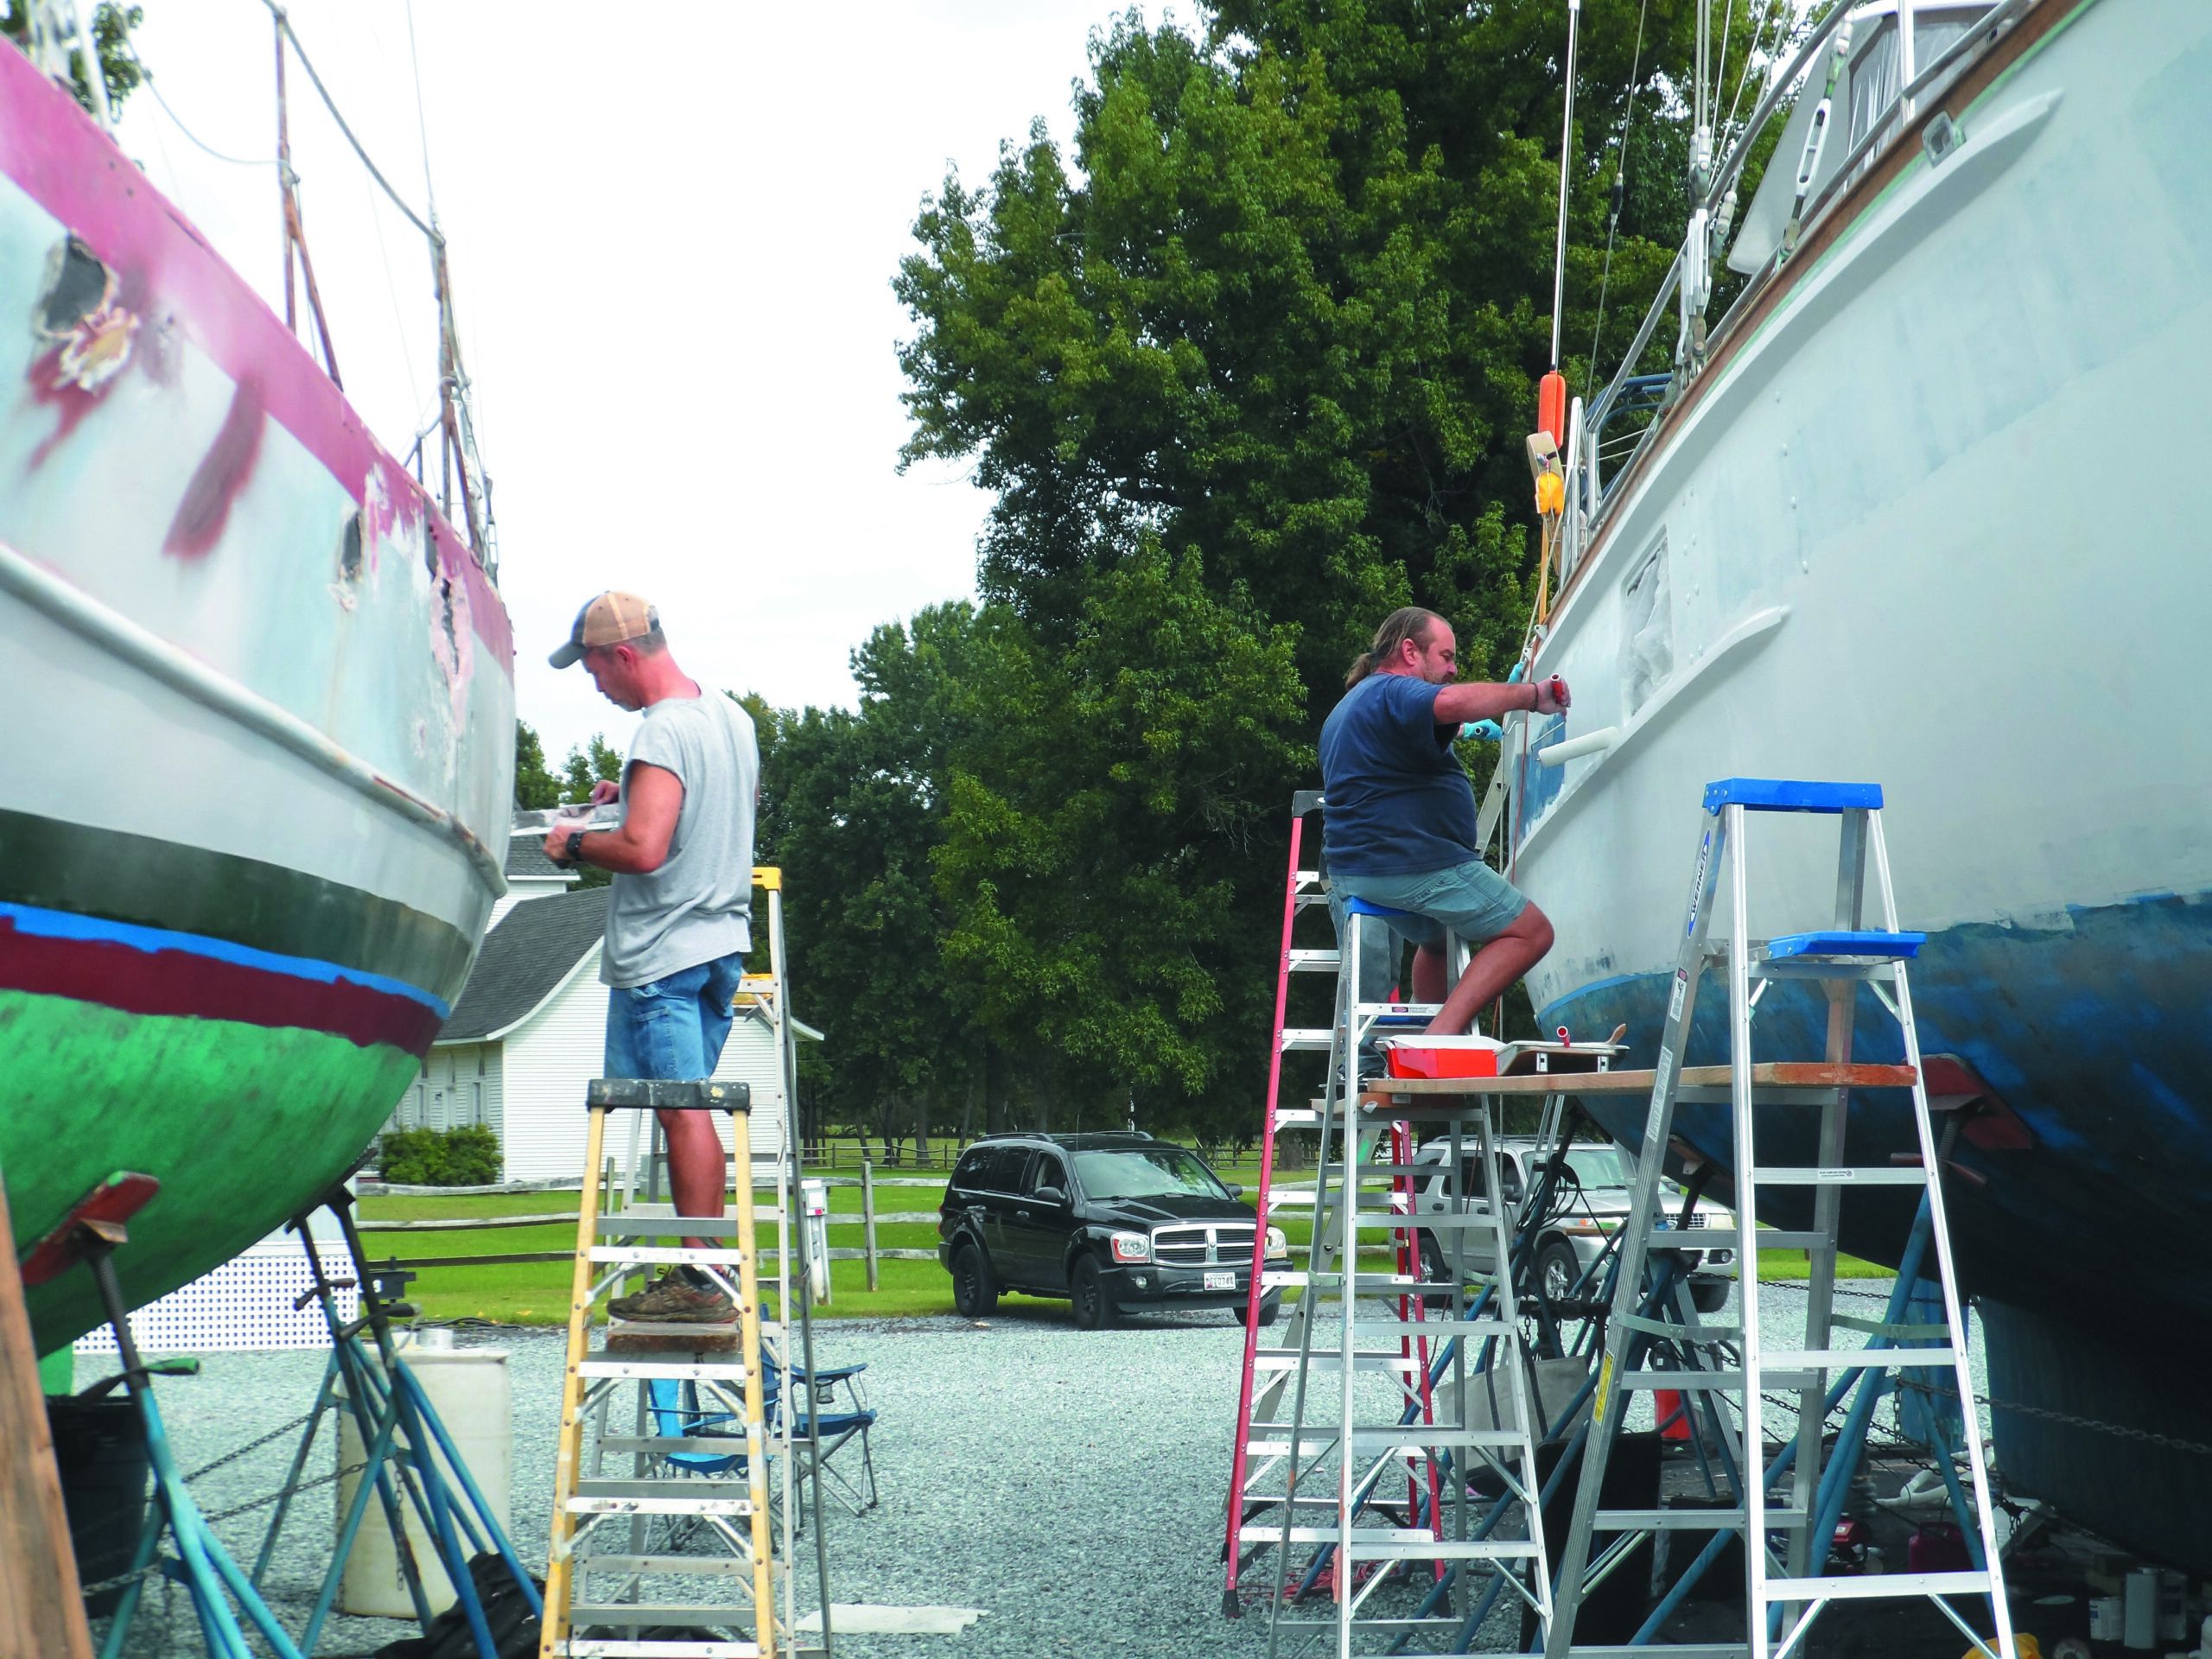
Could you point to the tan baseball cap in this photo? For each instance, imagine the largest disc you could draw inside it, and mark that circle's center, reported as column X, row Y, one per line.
column 607, row 621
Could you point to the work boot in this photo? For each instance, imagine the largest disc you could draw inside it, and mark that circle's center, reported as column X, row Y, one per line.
column 674, row 1300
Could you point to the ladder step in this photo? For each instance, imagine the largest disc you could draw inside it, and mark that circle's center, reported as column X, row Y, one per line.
column 1304, row 1039
column 637, row 1614
column 1689, row 1521
column 1840, row 943
column 1713, row 1382
column 623, row 1366
column 1411, row 1544
column 1297, row 1117
column 1386, row 1626
column 666, row 1254
column 629, row 1223
column 1374, row 1283
column 1314, row 961
column 1667, row 1650
column 678, row 1496
column 1322, row 1359
column 1880, row 1586
column 1846, row 1359
column 598, row 1648
column 1844, row 1175
column 695, row 1566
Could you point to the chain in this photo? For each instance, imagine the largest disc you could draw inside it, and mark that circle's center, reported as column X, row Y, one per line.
column 2125, row 1432
column 250, row 1445
column 122, row 1578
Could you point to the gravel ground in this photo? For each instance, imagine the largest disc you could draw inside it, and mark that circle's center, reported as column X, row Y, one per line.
column 1070, row 1484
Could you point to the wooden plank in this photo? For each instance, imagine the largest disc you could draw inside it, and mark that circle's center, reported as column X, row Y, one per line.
column 1774, row 1074
column 41, row 1610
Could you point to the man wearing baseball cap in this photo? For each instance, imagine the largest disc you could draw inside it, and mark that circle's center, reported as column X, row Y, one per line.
column 679, row 908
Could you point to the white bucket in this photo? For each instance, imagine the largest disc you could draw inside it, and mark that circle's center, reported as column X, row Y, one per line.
column 473, row 1397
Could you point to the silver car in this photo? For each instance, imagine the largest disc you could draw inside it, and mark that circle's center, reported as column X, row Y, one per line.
column 1586, row 1208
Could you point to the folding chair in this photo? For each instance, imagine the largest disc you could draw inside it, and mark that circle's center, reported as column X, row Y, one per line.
column 832, row 1408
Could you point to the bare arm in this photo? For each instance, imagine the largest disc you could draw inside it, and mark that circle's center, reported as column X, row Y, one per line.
column 1478, row 700
column 654, row 796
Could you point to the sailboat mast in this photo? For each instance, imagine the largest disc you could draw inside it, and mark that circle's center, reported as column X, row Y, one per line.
column 1566, row 155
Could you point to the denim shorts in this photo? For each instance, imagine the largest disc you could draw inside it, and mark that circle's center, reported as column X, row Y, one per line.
column 672, row 1027
column 1471, row 900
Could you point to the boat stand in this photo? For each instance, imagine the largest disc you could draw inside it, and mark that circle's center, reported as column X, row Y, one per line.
column 408, row 1454
column 221, row 1594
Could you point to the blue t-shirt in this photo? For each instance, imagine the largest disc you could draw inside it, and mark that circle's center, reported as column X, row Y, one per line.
column 1399, row 803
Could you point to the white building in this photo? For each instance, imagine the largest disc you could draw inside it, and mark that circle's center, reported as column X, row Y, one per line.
column 528, row 1032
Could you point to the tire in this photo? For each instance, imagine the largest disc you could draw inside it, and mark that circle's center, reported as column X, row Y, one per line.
column 974, row 1292
column 1557, row 1268
column 1087, row 1285
column 1270, row 1306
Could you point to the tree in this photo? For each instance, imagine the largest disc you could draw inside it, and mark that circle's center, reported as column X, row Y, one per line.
column 536, row 787
column 598, row 762
column 112, row 27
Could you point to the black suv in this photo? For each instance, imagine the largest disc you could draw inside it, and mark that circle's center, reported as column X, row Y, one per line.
column 1109, row 1221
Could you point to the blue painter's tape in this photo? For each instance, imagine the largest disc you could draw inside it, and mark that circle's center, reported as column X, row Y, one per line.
column 1791, row 795
column 68, row 925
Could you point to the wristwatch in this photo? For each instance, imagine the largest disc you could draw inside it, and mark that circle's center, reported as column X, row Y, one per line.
column 575, row 847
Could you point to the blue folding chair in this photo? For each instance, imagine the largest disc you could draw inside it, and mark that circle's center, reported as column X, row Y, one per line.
column 832, row 1412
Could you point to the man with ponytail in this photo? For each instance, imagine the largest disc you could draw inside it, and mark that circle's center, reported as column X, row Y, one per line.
column 1400, row 828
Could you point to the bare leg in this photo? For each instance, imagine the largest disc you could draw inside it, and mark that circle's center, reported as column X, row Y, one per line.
column 1428, row 974
column 1495, row 966
column 694, row 1168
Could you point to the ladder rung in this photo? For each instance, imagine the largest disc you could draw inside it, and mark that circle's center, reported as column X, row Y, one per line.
column 1322, row 1359
column 1843, row 1175
column 615, row 1647
column 1296, row 1278
column 1306, row 1039
column 1417, row 1437
column 1852, row 1359
column 1314, row 961
column 1297, row 1117
column 636, row 1614
column 1667, row 1650
column 669, row 1505
column 1713, row 1382
column 696, row 1567
column 630, row 1224
column 621, row 1366
column 1881, row 1587
column 1688, row 1520
column 668, row 1255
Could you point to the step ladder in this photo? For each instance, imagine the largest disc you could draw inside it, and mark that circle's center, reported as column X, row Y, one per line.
column 602, row 1566
column 1360, row 1431
column 1656, row 1340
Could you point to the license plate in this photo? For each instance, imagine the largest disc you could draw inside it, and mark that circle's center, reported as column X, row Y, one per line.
column 1221, row 1281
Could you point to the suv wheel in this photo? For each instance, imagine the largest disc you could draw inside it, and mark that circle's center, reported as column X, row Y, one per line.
column 1435, row 1269
column 973, row 1291
column 1557, row 1268
column 1270, row 1306
column 1088, row 1286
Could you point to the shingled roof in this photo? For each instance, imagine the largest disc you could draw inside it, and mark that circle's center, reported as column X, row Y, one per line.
column 535, row 947
column 526, row 857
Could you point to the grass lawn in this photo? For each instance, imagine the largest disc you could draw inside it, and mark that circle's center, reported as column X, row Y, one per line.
column 536, row 1293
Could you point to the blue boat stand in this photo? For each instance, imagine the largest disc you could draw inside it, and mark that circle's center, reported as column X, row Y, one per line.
column 410, row 1455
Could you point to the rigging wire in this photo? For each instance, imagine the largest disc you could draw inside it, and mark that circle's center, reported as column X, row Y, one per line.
column 284, row 22
column 146, row 80
column 1566, row 157
column 1620, row 185
column 1768, row 14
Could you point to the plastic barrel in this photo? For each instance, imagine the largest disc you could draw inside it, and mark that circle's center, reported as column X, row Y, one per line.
column 101, row 1452
column 473, row 1397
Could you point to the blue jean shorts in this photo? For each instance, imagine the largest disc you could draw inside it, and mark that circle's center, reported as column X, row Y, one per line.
column 1471, row 900
column 673, row 1027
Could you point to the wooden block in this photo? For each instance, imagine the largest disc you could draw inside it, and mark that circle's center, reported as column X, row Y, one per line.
column 649, row 1336
column 41, row 1610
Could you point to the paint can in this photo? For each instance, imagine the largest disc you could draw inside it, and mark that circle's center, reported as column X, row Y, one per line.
column 2105, row 1624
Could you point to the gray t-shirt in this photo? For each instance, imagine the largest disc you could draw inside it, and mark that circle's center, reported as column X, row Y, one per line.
column 698, row 905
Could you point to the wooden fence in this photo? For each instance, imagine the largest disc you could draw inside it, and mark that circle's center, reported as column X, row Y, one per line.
column 867, row 1220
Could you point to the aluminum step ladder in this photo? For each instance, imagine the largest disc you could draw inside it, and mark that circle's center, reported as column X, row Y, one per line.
column 1651, row 1316
column 598, row 1576
column 1360, row 1429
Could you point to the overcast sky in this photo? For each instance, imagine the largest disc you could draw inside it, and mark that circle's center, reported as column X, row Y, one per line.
column 673, row 247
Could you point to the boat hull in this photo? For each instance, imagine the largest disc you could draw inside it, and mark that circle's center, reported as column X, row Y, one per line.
column 1887, row 540
column 259, row 732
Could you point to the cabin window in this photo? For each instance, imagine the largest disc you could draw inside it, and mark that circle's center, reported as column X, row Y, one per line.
column 1876, row 82
column 1647, row 630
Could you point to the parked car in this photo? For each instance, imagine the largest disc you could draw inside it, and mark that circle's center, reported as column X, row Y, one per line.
column 1108, row 1221
column 1586, row 1208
